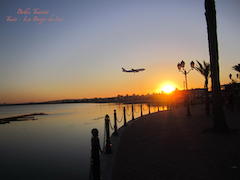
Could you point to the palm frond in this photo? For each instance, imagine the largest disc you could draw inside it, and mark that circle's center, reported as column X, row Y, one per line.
column 200, row 65
column 204, row 69
column 236, row 67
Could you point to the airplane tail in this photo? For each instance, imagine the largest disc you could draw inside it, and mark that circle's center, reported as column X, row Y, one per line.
column 124, row 70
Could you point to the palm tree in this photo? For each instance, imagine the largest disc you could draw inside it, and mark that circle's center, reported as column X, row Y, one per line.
column 236, row 68
column 219, row 121
column 205, row 71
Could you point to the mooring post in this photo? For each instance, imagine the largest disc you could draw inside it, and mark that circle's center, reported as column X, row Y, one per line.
column 158, row 107
column 115, row 124
column 124, row 115
column 132, row 113
column 108, row 149
column 149, row 108
column 141, row 111
column 95, row 164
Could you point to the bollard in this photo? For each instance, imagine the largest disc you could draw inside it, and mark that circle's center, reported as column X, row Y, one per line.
column 149, row 108
column 124, row 115
column 95, row 165
column 141, row 111
column 115, row 124
column 108, row 149
column 132, row 113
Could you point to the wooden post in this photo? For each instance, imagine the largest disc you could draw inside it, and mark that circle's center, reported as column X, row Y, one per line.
column 108, row 149
column 115, row 124
column 132, row 113
column 95, row 166
column 141, row 111
column 124, row 115
column 149, row 108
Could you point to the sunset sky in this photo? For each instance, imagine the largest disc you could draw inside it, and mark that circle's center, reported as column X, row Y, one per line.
column 81, row 51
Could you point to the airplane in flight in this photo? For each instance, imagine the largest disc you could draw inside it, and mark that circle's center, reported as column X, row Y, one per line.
column 133, row 70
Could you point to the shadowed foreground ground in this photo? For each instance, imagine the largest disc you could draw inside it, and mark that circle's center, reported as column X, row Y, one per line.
column 171, row 145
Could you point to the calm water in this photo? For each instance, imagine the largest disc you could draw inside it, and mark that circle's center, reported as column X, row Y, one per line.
column 57, row 145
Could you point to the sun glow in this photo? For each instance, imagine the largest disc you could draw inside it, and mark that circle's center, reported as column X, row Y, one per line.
column 168, row 88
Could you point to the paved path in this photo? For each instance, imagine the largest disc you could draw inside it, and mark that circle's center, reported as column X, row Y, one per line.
column 171, row 146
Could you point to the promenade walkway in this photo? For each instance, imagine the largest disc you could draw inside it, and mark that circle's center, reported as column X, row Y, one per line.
column 172, row 146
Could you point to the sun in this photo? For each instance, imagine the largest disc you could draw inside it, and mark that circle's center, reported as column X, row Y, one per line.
column 168, row 89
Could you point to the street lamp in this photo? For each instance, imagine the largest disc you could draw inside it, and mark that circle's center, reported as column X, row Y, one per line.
column 181, row 68
column 233, row 80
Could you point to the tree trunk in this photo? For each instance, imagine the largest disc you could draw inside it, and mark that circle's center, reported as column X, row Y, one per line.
column 207, row 102
column 219, row 122
column 206, row 86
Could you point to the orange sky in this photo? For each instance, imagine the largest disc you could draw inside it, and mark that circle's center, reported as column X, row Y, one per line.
column 82, row 55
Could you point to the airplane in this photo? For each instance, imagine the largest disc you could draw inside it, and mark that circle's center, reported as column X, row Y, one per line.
column 133, row 70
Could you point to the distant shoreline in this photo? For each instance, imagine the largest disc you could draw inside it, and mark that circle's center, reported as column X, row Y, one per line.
column 152, row 102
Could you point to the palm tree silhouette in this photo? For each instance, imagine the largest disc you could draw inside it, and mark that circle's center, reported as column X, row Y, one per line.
column 236, row 68
column 205, row 70
column 219, row 121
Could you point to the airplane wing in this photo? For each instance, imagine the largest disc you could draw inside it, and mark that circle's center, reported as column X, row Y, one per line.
column 124, row 70
column 140, row 70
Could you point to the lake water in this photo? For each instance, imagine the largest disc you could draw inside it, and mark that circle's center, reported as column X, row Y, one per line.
column 57, row 145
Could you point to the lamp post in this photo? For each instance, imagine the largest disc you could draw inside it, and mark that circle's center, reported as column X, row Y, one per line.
column 233, row 80
column 181, row 68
